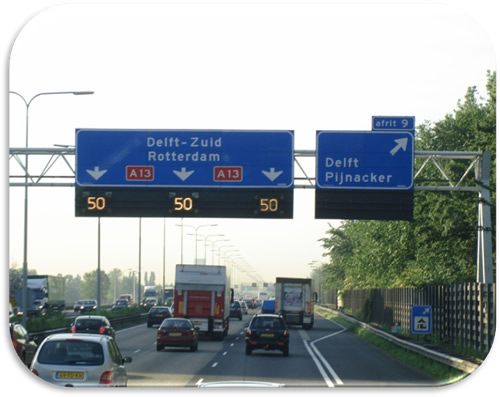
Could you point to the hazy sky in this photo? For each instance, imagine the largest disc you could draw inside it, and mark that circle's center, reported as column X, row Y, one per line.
column 299, row 67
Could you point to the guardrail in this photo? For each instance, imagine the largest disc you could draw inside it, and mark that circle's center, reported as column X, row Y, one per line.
column 460, row 364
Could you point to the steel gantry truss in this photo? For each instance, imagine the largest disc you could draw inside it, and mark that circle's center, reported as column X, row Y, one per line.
column 55, row 167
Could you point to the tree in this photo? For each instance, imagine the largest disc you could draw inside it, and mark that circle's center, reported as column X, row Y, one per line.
column 89, row 284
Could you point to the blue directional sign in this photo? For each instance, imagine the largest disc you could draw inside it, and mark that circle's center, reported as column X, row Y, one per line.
column 364, row 160
column 184, row 158
column 421, row 320
column 393, row 123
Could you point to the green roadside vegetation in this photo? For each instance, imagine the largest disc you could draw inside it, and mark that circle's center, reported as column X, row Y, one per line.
column 55, row 320
column 439, row 371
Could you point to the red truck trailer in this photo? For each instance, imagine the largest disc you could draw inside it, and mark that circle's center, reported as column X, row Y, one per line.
column 203, row 294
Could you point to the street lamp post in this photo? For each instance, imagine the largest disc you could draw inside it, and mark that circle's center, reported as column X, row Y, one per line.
column 25, row 248
column 196, row 237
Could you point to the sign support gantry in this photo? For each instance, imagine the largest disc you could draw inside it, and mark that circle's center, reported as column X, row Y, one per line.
column 55, row 167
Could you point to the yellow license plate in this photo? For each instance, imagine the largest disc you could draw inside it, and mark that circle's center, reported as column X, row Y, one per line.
column 69, row 375
column 265, row 335
column 175, row 334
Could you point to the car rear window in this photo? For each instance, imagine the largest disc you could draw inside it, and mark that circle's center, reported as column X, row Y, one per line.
column 71, row 352
column 268, row 322
column 175, row 324
column 89, row 323
column 158, row 310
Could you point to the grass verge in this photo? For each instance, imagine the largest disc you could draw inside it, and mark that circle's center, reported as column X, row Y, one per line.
column 438, row 371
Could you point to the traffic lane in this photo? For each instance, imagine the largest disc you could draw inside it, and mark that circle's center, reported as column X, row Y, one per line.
column 232, row 364
column 359, row 363
column 173, row 367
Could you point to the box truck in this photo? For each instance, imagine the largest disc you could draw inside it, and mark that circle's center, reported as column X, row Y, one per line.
column 44, row 292
column 203, row 294
column 294, row 300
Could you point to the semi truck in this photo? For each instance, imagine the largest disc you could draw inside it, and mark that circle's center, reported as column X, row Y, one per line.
column 294, row 300
column 151, row 294
column 203, row 294
column 44, row 292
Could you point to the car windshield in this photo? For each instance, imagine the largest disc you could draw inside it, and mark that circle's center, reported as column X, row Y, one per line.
column 177, row 323
column 71, row 352
column 235, row 305
column 268, row 322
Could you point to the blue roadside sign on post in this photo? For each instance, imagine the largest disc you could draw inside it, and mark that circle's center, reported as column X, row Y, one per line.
column 421, row 320
column 184, row 158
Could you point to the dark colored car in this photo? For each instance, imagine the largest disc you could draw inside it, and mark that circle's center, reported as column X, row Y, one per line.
column 120, row 304
column 24, row 346
column 93, row 325
column 85, row 305
column 268, row 332
column 236, row 310
column 177, row 332
column 157, row 314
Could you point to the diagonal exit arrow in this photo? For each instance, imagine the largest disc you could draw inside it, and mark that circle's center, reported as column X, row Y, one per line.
column 401, row 144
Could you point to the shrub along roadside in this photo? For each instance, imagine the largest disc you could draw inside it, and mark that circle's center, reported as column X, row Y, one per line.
column 56, row 320
column 430, row 367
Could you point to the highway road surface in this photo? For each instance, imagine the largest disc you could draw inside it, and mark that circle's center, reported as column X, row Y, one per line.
column 325, row 356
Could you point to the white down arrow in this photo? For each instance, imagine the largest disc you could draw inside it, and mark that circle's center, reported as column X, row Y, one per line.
column 183, row 174
column 96, row 173
column 272, row 174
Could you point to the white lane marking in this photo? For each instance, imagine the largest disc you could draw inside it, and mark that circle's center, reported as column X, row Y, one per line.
column 137, row 351
column 200, row 381
column 305, row 336
column 214, row 365
column 325, row 363
column 224, row 353
column 231, row 345
column 327, row 380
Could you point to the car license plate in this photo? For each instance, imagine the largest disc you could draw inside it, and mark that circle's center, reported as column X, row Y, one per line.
column 175, row 334
column 267, row 335
column 69, row 375
column 159, row 315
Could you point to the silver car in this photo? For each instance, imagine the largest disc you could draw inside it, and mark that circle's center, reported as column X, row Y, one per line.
column 80, row 360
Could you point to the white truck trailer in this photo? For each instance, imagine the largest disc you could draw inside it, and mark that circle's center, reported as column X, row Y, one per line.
column 294, row 300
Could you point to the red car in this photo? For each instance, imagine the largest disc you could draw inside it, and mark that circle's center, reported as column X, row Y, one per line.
column 25, row 347
column 177, row 332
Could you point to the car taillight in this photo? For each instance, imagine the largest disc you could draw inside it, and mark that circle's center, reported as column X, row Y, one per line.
column 248, row 332
column 106, row 378
column 34, row 371
column 286, row 333
column 73, row 329
column 101, row 330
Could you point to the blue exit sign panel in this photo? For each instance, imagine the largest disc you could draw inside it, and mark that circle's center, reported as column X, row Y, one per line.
column 184, row 158
column 364, row 160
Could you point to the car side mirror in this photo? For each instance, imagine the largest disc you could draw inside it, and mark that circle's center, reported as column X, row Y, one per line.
column 127, row 360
